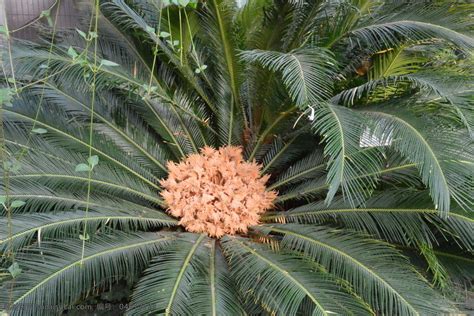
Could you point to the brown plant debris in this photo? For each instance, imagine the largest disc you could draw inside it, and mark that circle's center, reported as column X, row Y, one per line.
column 216, row 192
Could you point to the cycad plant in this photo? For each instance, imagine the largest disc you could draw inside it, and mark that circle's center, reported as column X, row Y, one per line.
column 300, row 157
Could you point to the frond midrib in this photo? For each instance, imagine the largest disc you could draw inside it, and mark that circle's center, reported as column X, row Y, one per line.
column 292, row 195
column 369, row 210
column 212, row 273
column 284, row 273
column 105, row 183
column 50, row 127
column 108, row 123
column 85, row 219
column 186, row 262
column 350, row 258
column 427, row 146
column 227, row 52
column 87, row 258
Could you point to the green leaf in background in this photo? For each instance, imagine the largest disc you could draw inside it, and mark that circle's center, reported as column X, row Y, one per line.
column 12, row 166
column 47, row 14
column 82, row 167
column 72, row 52
column 6, row 96
column 84, row 237
column 164, row 34
column 105, row 62
column 3, row 199
column 173, row 43
column 93, row 161
column 82, row 34
column 17, row 203
column 150, row 29
column 14, row 269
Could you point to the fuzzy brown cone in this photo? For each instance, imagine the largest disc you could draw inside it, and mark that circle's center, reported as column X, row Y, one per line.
column 216, row 192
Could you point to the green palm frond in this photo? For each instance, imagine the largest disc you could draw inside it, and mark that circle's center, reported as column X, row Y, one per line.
column 385, row 279
column 167, row 282
column 397, row 217
column 342, row 130
column 310, row 166
column 398, row 173
column 459, row 268
column 57, row 267
column 306, row 73
column 285, row 280
column 419, row 145
column 185, row 279
column 127, row 19
column 217, row 295
column 281, row 152
column 440, row 275
column 413, row 22
column 448, row 94
column 395, row 62
column 47, row 226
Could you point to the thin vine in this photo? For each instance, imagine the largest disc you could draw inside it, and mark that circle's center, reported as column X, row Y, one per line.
column 155, row 51
column 40, row 103
column 14, row 165
column 44, row 14
column 180, row 37
column 5, row 200
column 92, row 160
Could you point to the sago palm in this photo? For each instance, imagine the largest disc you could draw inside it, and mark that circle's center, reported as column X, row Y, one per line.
column 273, row 157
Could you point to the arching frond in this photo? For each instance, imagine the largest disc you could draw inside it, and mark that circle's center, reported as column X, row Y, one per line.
column 281, row 281
column 413, row 22
column 167, row 283
column 341, row 130
column 306, row 73
column 46, row 227
column 280, row 153
column 397, row 217
column 377, row 272
column 189, row 278
column 418, row 144
column 124, row 16
column 56, row 274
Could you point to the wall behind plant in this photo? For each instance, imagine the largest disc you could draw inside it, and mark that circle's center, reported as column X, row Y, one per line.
column 22, row 14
